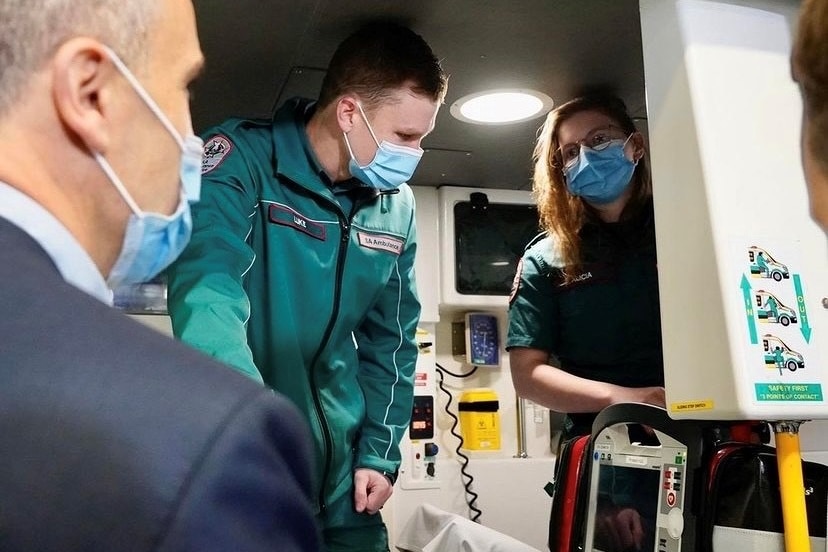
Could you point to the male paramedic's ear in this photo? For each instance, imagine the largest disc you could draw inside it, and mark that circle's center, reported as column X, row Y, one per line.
column 81, row 73
column 346, row 113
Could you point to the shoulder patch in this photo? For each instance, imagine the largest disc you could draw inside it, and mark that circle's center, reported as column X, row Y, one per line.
column 516, row 281
column 216, row 150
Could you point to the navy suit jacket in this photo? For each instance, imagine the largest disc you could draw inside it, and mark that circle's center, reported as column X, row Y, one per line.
column 114, row 437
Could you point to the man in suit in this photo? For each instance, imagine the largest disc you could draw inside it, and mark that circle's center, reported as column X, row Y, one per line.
column 112, row 436
column 809, row 64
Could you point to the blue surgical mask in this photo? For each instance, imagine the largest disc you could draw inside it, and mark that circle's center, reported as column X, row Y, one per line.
column 392, row 165
column 152, row 241
column 600, row 176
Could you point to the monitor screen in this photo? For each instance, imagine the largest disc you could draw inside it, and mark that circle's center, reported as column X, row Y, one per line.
column 636, row 491
column 628, row 499
column 489, row 241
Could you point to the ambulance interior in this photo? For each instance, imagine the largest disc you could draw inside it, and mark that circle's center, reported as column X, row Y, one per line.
column 261, row 53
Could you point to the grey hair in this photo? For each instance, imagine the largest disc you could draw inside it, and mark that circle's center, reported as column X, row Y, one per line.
column 31, row 31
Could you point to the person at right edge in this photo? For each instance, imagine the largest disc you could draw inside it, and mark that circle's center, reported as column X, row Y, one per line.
column 809, row 66
column 584, row 320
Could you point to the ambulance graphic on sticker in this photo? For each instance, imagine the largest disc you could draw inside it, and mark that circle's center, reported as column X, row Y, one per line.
column 778, row 355
column 762, row 265
column 770, row 309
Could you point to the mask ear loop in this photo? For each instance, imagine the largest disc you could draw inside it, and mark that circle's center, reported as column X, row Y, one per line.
column 364, row 118
column 348, row 145
column 144, row 95
column 348, row 142
column 638, row 153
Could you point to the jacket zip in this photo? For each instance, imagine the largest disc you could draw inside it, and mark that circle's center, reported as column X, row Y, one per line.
column 345, row 227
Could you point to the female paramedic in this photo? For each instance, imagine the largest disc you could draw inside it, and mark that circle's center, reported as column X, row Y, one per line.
column 584, row 327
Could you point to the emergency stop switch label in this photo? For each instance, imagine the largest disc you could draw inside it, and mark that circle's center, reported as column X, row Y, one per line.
column 778, row 342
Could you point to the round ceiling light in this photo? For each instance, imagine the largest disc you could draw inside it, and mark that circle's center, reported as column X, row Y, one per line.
column 499, row 107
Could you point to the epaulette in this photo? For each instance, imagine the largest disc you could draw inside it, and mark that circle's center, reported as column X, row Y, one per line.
column 535, row 240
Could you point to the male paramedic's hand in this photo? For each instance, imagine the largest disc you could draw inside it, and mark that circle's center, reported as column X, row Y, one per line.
column 371, row 490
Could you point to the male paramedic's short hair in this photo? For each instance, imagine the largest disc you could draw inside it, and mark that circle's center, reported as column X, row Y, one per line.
column 32, row 30
column 809, row 63
column 379, row 57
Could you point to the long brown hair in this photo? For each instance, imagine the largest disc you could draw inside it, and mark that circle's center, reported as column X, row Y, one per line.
column 561, row 213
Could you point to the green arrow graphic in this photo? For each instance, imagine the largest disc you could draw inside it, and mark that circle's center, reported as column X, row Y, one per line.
column 804, row 327
column 754, row 339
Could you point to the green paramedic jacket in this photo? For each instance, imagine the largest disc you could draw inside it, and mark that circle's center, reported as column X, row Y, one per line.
column 286, row 286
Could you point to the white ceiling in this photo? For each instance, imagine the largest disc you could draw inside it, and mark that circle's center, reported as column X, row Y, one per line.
column 260, row 52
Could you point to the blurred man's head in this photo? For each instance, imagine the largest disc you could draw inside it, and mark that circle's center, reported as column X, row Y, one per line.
column 809, row 65
column 64, row 101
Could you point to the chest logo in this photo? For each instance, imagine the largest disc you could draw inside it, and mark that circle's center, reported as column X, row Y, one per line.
column 285, row 216
column 381, row 242
column 216, row 150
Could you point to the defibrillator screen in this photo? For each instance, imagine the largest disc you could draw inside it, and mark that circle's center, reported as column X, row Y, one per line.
column 489, row 241
column 628, row 500
column 638, row 478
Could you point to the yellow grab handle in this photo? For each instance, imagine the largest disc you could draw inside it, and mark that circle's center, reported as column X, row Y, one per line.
column 792, row 487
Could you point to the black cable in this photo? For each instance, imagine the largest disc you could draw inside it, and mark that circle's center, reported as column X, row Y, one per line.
column 467, row 374
column 471, row 496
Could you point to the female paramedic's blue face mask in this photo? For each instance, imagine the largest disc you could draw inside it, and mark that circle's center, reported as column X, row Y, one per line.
column 600, row 175
column 392, row 166
column 152, row 241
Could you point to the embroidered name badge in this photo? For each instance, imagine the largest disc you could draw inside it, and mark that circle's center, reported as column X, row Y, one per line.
column 216, row 150
column 285, row 216
column 581, row 277
column 577, row 280
column 380, row 242
column 591, row 274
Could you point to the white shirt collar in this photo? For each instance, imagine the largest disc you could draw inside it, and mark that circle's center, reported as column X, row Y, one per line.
column 72, row 260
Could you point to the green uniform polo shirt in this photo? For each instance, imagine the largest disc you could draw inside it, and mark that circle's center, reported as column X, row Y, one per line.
column 605, row 324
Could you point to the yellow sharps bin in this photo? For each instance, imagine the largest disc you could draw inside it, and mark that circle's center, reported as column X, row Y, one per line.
column 479, row 419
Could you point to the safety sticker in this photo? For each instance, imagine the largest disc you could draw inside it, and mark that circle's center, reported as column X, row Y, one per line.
column 216, row 150
column 778, row 342
column 804, row 392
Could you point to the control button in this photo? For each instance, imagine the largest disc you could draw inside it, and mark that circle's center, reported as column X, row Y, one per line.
column 675, row 523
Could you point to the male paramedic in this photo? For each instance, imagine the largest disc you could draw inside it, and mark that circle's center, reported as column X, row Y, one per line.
column 300, row 272
column 113, row 436
column 809, row 64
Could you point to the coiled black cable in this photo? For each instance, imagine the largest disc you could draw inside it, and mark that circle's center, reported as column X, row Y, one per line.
column 471, row 496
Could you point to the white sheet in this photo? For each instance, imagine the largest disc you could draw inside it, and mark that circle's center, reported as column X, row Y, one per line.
column 431, row 529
